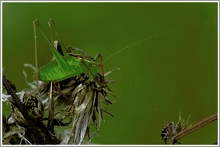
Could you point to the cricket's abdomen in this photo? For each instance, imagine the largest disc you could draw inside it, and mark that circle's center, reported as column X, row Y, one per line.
column 53, row 72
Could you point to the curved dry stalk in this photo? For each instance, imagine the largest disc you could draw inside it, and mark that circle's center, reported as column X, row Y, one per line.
column 194, row 127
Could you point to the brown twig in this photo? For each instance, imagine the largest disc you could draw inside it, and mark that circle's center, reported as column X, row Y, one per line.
column 194, row 127
column 11, row 91
column 10, row 88
column 51, row 111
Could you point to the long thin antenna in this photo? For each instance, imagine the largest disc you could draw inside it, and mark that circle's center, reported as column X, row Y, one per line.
column 36, row 61
column 156, row 35
column 138, row 42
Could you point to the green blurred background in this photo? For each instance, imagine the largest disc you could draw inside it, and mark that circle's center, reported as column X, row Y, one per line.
column 173, row 70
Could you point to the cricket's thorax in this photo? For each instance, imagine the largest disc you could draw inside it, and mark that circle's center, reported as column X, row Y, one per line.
column 53, row 72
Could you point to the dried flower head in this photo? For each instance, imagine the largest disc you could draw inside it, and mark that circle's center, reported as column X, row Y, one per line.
column 16, row 129
column 77, row 104
column 78, row 101
column 33, row 106
column 170, row 130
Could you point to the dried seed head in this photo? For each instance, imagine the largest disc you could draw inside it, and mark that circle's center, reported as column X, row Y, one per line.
column 33, row 106
column 170, row 130
column 78, row 100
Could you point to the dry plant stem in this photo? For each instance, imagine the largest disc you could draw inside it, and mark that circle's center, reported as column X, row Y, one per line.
column 51, row 111
column 194, row 127
column 31, row 123
column 7, row 84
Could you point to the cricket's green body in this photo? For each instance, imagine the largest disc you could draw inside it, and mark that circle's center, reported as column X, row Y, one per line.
column 52, row 72
column 64, row 67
